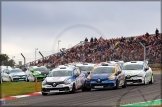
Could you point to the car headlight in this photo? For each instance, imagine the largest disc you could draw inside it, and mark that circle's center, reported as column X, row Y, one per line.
column 112, row 78
column 68, row 81
column 24, row 76
column 140, row 74
column 44, row 82
column 13, row 75
column 88, row 80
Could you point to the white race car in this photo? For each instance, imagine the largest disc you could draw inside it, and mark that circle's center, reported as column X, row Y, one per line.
column 63, row 79
column 13, row 75
column 138, row 72
column 5, row 73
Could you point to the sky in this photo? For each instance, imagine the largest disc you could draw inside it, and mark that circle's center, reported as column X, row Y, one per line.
column 27, row 25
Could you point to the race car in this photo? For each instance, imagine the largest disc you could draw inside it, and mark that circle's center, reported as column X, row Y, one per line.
column 117, row 62
column 105, row 76
column 138, row 72
column 1, row 77
column 13, row 75
column 5, row 73
column 86, row 68
column 63, row 79
column 36, row 72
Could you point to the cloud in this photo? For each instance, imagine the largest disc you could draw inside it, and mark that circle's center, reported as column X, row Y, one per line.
column 30, row 25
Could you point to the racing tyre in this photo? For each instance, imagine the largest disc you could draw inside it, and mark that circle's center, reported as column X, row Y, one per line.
column 10, row 79
column 88, row 89
column 125, row 84
column 145, row 81
column 27, row 79
column 117, row 85
column 152, row 80
column 44, row 94
column 84, row 89
column 1, row 81
column 73, row 89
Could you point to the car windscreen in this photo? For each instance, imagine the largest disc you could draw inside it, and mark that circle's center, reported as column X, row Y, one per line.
column 16, row 70
column 133, row 67
column 101, row 70
column 41, row 69
column 60, row 73
column 85, row 68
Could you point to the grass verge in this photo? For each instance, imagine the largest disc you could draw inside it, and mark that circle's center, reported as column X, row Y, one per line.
column 18, row 88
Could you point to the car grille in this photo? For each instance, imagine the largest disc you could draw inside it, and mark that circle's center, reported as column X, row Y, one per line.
column 51, row 83
column 60, row 89
column 135, row 81
column 108, row 84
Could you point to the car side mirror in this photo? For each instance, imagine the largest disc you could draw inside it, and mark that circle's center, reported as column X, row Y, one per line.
column 45, row 75
column 146, row 69
column 88, row 72
column 76, row 75
column 119, row 72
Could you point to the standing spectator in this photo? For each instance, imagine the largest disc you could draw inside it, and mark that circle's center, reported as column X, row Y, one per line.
column 95, row 39
column 157, row 33
column 147, row 34
column 91, row 39
column 86, row 40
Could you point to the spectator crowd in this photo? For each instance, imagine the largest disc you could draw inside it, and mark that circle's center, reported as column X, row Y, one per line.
column 100, row 50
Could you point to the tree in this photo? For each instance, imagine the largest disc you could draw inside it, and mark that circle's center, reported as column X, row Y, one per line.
column 6, row 61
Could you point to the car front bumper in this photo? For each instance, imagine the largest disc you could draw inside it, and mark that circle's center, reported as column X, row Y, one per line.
column 19, row 79
column 101, row 85
column 135, row 80
column 58, row 88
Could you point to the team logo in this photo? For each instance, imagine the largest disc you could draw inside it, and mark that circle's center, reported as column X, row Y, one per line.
column 128, row 76
column 98, row 80
column 54, row 84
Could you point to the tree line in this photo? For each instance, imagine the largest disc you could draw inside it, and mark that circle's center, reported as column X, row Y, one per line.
column 6, row 61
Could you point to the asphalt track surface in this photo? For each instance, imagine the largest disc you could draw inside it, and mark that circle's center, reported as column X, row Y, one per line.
column 110, row 97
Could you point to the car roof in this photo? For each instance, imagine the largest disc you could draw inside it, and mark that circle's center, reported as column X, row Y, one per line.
column 16, row 69
column 116, row 61
column 85, row 64
column 134, row 62
column 37, row 66
column 64, row 67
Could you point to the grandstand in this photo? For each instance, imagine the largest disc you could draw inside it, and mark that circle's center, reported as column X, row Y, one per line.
column 124, row 48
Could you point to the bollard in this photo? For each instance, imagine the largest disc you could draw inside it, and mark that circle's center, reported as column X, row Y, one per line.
column 36, row 85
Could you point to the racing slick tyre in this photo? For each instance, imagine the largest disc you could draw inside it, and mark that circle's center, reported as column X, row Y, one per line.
column 88, row 89
column 125, row 84
column 27, row 79
column 73, row 89
column 1, row 81
column 44, row 94
column 85, row 88
column 10, row 79
column 145, row 81
column 117, row 85
column 152, row 80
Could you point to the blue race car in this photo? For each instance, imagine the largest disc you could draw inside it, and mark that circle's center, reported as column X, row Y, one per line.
column 105, row 76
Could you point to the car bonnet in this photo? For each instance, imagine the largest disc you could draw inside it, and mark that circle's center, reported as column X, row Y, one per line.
column 101, row 76
column 56, row 79
column 132, row 72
